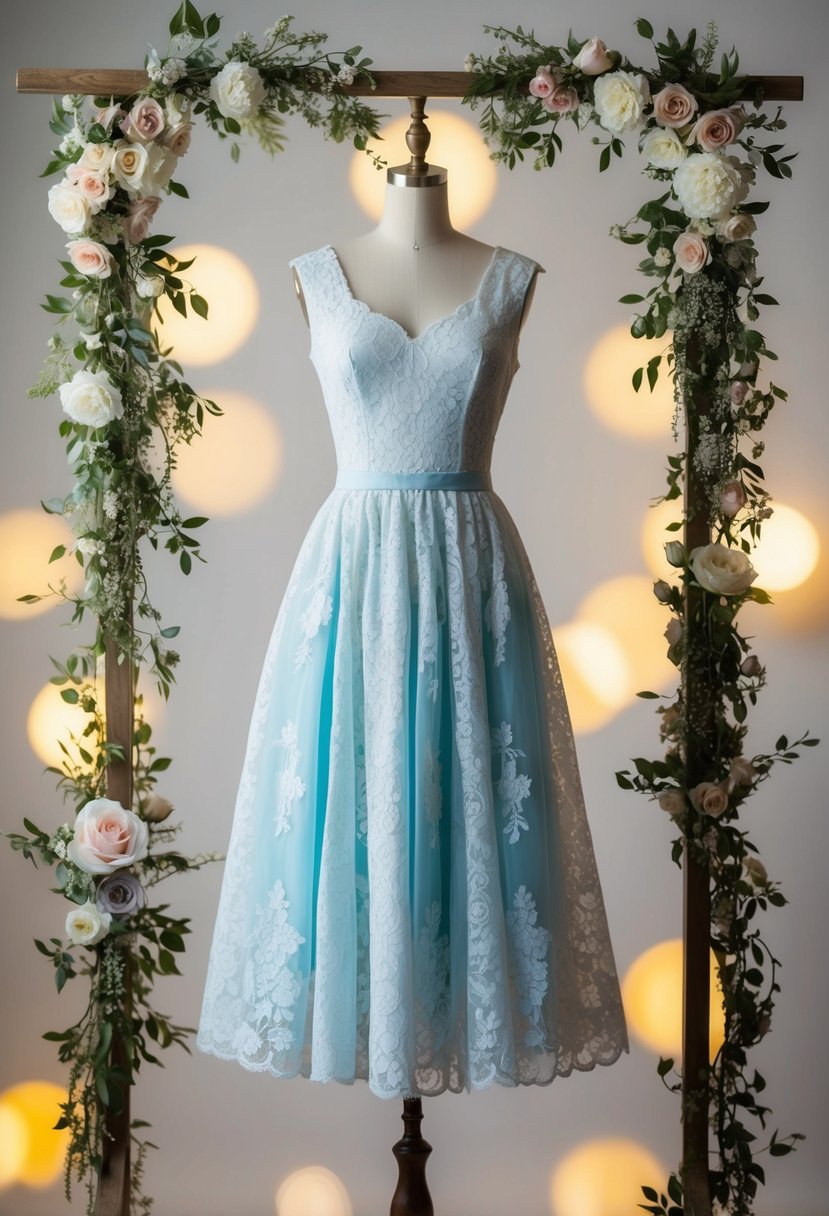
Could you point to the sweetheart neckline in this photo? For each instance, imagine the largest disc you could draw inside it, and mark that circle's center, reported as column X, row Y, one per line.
column 470, row 303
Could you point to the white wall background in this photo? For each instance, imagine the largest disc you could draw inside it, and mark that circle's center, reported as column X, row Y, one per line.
column 578, row 493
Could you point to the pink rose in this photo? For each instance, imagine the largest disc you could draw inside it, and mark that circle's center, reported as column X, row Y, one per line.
column 562, row 100
column 137, row 218
column 737, row 227
column 543, row 83
column 674, row 106
column 691, row 252
column 177, row 138
column 751, row 666
column 738, row 392
column 673, row 631
column 732, row 499
column 710, row 798
column 107, row 836
column 718, row 128
column 593, row 58
column 144, row 122
column 91, row 258
column 93, row 185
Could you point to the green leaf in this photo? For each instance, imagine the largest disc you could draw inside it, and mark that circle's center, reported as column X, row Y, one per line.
column 212, row 25
column 631, row 299
column 70, row 695
column 604, row 159
column 648, row 696
column 636, row 378
column 171, row 631
column 624, row 782
column 177, row 188
column 645, row 28
column 199, row 305
column 185, row 561
column 57, row 552
column 195, row 521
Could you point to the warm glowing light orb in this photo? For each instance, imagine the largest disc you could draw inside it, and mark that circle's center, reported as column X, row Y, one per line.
column 312, row 1191
column 37, row 1104
column 788, row 549
column 236, row 461
column 604, row 1178
column 610, row 393
column 456, row 145
column 27, row 541
column 595, row 673
column 654, row 537
column 229, row 287
column 14, row 1143
column 628, row 610
column 652, row 996
column 50, row 719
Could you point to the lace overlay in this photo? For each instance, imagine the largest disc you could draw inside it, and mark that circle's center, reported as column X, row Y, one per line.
column 410, row 895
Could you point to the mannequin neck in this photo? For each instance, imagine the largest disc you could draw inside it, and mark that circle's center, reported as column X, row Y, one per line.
column 416, row 215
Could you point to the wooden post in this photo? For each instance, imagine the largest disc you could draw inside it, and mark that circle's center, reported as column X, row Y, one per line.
column 113, row 1196
column 699, row 710
column 412, row 1198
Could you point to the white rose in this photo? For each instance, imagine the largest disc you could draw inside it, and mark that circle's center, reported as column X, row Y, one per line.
column 86, row 924
column 662, row 148
column 620, row 97
column 672, row 801
column 91, row 398
column 107, row 837
column 149, row 286
column 593, row 58
column 97, row 157
column 161, row 162
column 129, row 164
column 737, row 227
column 238, row 90
column 708, row 184
column 721, row 570
column 68, row 207
column 177, row 109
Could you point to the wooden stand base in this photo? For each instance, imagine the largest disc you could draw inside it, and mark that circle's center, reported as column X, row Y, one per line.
column 412, row 1197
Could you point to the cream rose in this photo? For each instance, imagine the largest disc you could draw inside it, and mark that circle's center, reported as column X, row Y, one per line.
column 674, row 106
column 737, row 227
column 672, row 801
column 756, row 872
column 663, row 148
column 717, row 128
column 94, row 187
column 620, row 99
column 562, row 100
column 128, row 165
column 593, row 58
column 159, row 169
column 708, row 184
column 710, row 798
column 691, row 252
column 97, row 157
column 156, row 808
column 543, row 83
column 673, row 631
column 68, row 207
column 138, row 216
column 177, row 107
column 721, row 570
column 238, row 90
column 144, row 122
column 91, row 258
column 87, row 924
column 178, row 138
column 107, row 836
column 741, row 771
column 91, row 399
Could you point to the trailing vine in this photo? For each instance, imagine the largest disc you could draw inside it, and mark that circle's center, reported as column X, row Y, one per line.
column 700, row 143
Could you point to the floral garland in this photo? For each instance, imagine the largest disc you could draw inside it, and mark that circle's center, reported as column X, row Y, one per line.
column 125, row 400
column 699, row 142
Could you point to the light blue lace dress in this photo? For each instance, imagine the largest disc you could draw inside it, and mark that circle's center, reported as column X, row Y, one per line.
column 410, row 894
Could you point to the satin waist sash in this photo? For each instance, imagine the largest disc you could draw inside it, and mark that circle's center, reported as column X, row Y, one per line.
column 377, row 479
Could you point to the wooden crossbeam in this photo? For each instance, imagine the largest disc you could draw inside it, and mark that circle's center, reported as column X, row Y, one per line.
column 123, row 82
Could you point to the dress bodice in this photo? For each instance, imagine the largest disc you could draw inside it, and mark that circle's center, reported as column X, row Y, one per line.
column 412, row 405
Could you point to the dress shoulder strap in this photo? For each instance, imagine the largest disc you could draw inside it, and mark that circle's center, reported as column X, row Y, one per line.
column 507, row 288
column 318, row 276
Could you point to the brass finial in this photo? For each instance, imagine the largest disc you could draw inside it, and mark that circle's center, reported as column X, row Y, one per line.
column 418, row 137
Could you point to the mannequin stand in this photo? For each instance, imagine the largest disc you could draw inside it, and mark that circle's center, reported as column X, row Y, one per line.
column 412, row 1198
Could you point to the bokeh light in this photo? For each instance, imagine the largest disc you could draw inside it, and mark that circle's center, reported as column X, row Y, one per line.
column 654, row 537
column 604, row 1178
column 611, row 395
column 652, row 995
column 312, row 1191
column 627, row 608
column 788, row 550
column 50, row 719
column 37, row 1106
column 14, row 1143
column 27, row 541
column 235, row 463
column 595, row 673
column 456, row 144
column 229, row 287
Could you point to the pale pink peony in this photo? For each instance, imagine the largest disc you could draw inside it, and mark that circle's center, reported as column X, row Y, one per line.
column 107, row 836
column 91, row 258
column 593, row 58
column 732, row 499
column 543, row 83
column 718, row 128
column 674, row 106
column 138, row 216
column 144, row 122
column 710, row 798
column 562, row 100
column 691, row 252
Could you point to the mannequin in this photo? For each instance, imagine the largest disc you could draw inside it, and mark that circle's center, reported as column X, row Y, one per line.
column 414, row 267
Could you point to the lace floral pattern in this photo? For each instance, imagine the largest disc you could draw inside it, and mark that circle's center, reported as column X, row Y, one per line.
column 433, row 918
